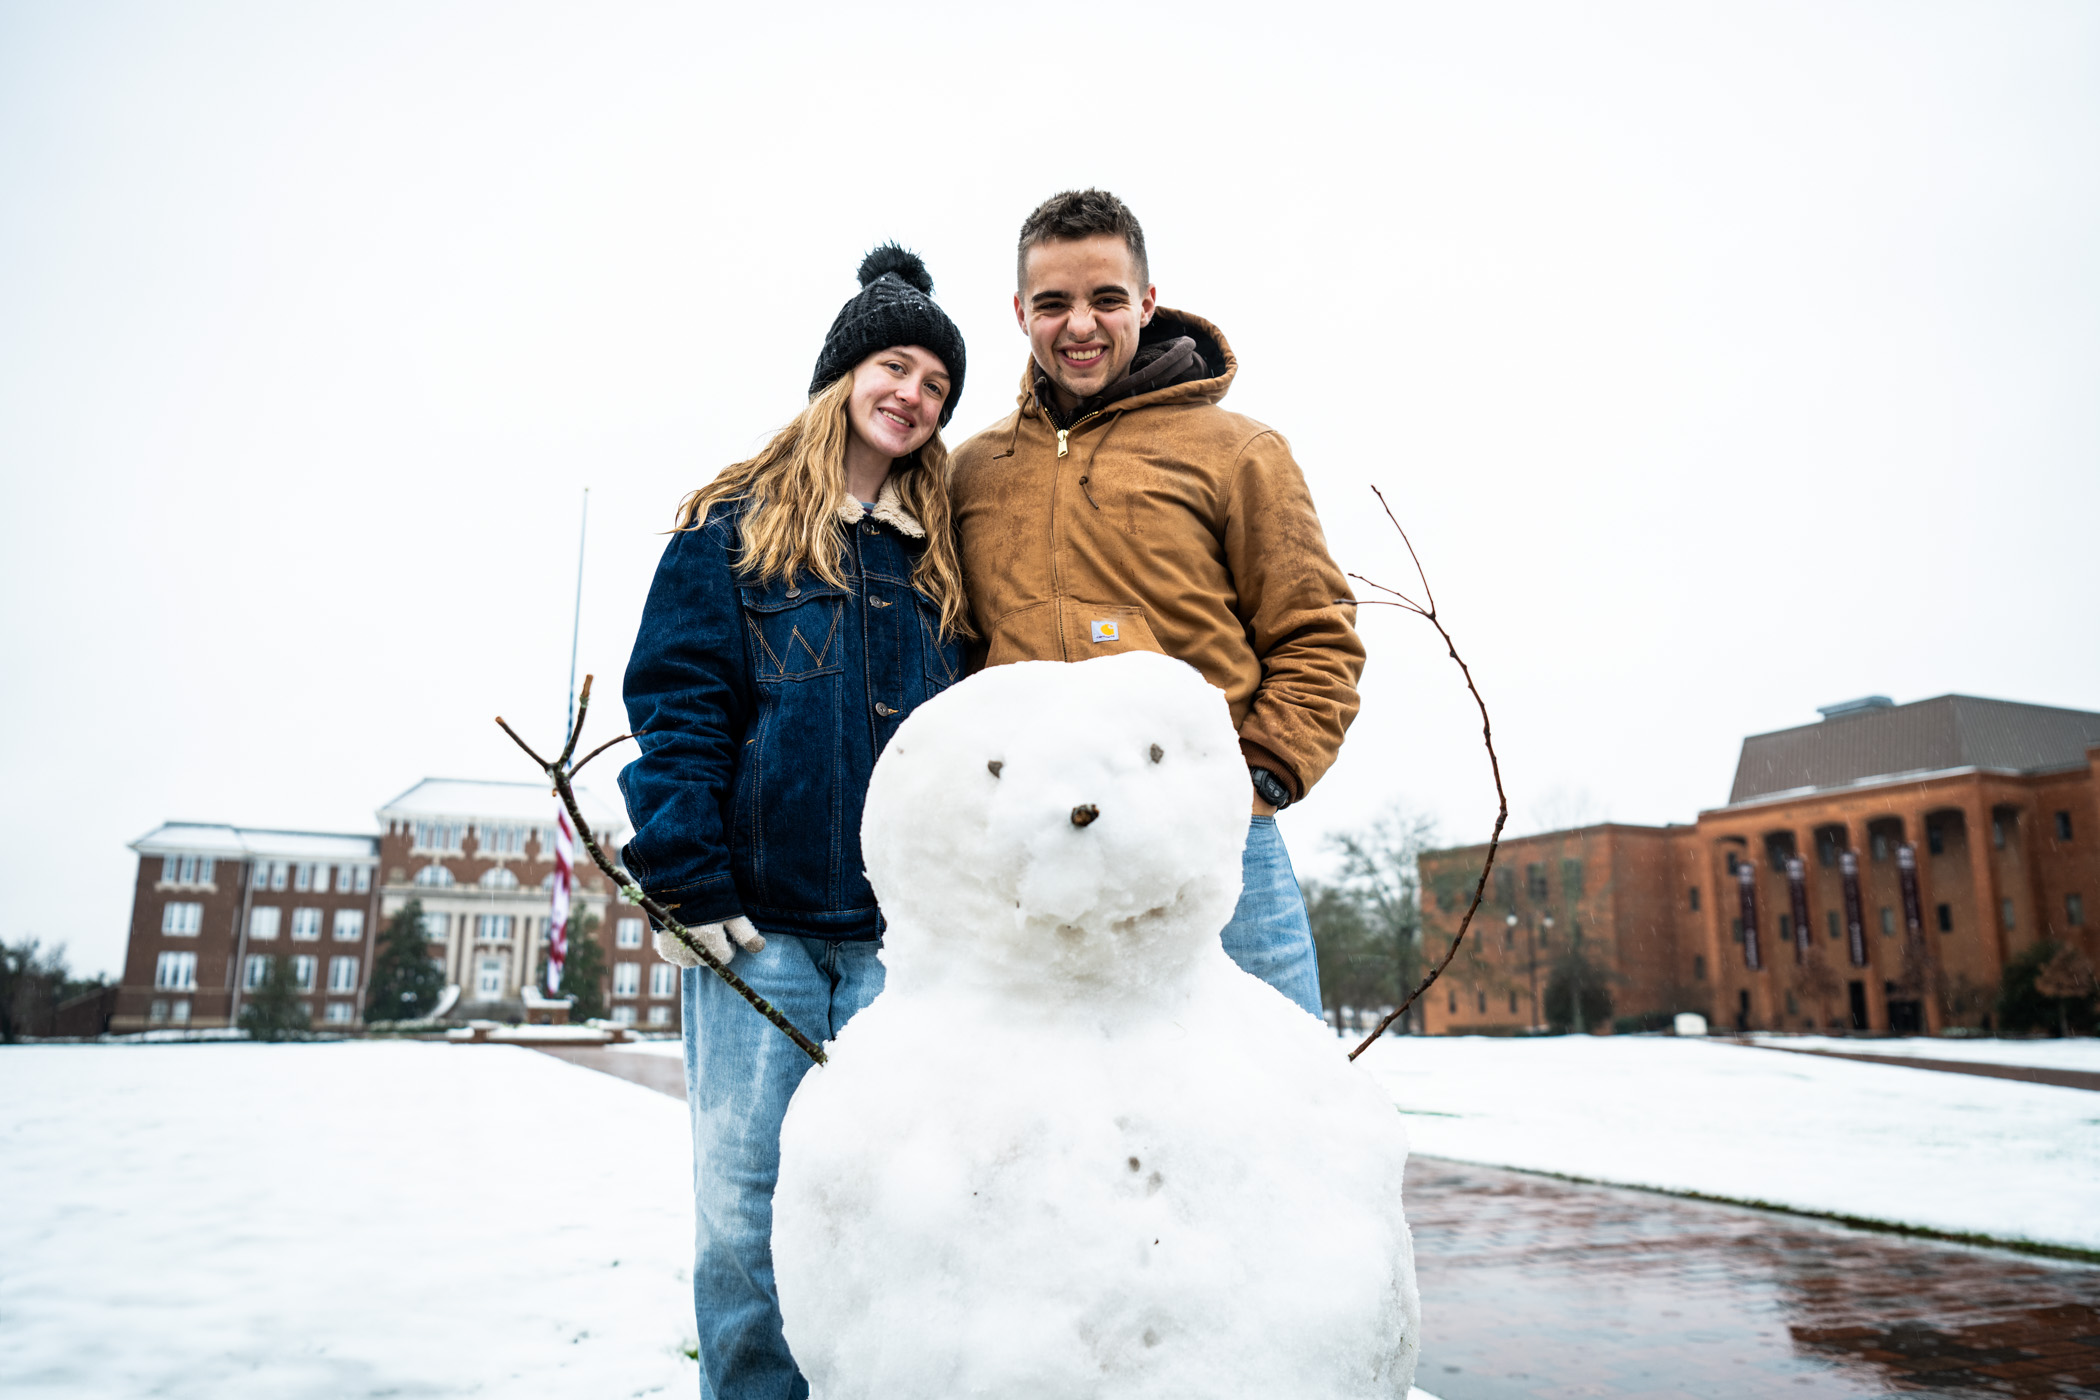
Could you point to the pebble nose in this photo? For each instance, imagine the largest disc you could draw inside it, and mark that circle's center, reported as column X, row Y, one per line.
column 1084, row 814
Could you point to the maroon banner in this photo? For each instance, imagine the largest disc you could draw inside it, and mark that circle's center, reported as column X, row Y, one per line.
column 1907, row 877
column 1746, row 889
column 1797, row 897
column 1855, row 926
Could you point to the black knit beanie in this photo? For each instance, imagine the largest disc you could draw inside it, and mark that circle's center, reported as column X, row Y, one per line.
column 894, row 307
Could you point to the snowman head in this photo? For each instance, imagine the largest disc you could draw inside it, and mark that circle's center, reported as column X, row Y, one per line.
column 1050, row 824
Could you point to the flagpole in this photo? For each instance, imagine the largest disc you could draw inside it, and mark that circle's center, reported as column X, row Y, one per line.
column 576, row 625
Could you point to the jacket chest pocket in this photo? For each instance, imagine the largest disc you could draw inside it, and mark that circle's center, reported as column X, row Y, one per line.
column 794, row 632
column 942, row 659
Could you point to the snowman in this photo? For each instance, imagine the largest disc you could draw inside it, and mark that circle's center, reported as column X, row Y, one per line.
column 1072, row 1150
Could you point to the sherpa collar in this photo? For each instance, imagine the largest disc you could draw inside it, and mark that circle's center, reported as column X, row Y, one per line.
column 889, row 509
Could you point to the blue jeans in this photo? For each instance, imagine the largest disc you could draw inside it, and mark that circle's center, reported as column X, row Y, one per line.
column 1269, row 935
column 739, row 1074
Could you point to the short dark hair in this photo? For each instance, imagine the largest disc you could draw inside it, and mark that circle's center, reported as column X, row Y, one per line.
column 1081, row 214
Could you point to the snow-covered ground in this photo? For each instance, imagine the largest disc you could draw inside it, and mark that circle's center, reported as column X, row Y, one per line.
column 338, row 1220
column 2079, row 1053
column 1949, row 1152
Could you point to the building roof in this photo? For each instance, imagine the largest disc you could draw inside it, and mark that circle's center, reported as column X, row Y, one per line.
column 243, row 842
column 1879, row 743
column 470, row 799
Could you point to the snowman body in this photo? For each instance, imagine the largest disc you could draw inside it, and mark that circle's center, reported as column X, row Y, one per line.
column 1072, row 1150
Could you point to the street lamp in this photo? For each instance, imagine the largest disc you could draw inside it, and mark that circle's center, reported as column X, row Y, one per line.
column 1546, row 926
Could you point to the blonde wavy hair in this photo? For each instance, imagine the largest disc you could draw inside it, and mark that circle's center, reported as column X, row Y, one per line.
column 794, row 488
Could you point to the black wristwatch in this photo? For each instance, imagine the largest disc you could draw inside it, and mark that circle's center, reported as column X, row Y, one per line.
column 1272, row 788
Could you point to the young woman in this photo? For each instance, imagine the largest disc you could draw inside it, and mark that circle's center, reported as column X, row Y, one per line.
column 808, row 601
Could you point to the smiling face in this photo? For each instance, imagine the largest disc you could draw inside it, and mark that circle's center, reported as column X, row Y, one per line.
column 1082, row 303
column 897, row 399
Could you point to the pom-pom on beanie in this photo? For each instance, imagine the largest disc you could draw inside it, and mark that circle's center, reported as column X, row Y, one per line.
column 894, row 307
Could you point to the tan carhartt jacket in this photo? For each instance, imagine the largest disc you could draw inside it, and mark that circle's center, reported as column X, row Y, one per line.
column 1161, row 522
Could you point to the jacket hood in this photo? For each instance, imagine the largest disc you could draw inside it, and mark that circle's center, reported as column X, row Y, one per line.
column 1181, row 358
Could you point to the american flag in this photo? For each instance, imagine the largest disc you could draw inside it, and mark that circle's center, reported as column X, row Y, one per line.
column 564, row 881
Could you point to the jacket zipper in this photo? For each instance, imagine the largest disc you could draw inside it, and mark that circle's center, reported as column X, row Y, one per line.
column 1063, row 433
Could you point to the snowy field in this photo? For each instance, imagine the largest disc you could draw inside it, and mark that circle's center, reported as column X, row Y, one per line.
column 333, row 1220
column 339, row 1220
column 1949, row 1152
column 2080, row 1054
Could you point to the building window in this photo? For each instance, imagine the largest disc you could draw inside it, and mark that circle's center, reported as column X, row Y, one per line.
column 502, row 840
column 2005, row 913
column 2063, row 826
column 1698, row 967
column 364, row 879
column 1888, row 922
column 1830, row 844
column 1571, row 882
column 179, row 1011
column 262, row 923
column 1786, row 928
column 349, row 925
column 1535, row 881
column 1944, row 913
column 306, row 925
column 1695, row 899
column 176, row 972
column 1452, row 1002
column 490, row 982
column 267, row 875
column 254, row 971
column 1512, row 1003
column 1878, row 845
column 663, row 980
column 186, row 870
column 341, row 1013
column 1830, row 921
column 1483, row 1003
column 181, row 920
column 2074, row 910
column 492, row 928
column 627, row 979
column 342, row 974
column 623, row 1015
column 630, row 933
column 157, row 1013
column 437, row 926
column 302, row 876
column 1936, row 839
column 438, row 836
column 498, row 877
column 1793, row 1007
column 303, row 970
column 434, row 875
column 1737, row 922
column 345, row 878
column 659, row 1015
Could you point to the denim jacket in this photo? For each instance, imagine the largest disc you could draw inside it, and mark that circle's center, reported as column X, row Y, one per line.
column 761, row 709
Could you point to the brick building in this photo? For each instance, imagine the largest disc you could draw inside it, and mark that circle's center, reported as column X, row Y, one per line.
column 1872, row 871
column 212, row 904
column 480, row 858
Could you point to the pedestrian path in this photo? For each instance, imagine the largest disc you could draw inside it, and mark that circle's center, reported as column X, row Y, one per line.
column 1535, row 1288
column 2025, row 1074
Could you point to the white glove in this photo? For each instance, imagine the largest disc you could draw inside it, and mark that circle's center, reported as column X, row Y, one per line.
column 713, row 937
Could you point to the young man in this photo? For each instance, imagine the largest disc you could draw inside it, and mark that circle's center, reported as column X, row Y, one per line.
column 1120, row 509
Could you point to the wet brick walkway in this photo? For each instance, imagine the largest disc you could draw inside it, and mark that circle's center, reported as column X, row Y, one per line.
column 1533, row 1287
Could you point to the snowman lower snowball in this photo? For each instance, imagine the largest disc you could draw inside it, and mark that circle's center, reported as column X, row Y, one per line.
column 1072, row 1150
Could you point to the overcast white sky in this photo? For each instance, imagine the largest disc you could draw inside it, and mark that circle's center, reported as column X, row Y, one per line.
column 1723, row 360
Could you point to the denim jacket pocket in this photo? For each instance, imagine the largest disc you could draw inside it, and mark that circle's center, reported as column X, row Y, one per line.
column 942, row 657
column 796, row 631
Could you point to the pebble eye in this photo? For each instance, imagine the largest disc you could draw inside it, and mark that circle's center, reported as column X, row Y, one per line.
column 1158, row 753
column 994, row 766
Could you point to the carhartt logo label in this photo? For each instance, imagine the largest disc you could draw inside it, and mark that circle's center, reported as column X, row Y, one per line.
column 1105, row 632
